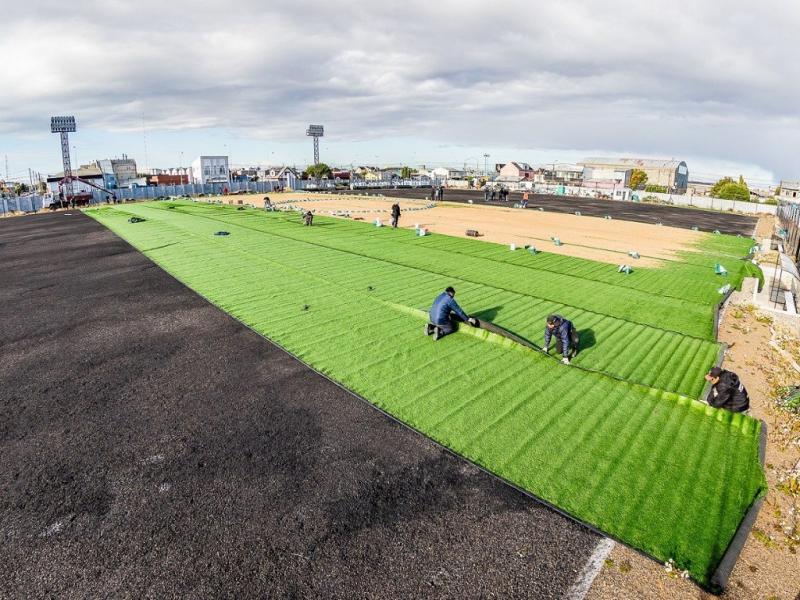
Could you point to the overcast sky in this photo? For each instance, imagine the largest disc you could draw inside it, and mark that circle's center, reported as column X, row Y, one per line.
column 715, row 83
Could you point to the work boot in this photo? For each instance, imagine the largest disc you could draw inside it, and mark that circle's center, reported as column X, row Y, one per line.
column 428, row 329
column 437, row 333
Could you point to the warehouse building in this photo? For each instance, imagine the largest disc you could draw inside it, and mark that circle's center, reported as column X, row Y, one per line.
column 672, row 174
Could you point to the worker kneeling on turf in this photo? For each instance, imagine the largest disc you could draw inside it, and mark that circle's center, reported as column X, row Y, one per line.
column 567, row 338
column 444, row 315
column 727, row 391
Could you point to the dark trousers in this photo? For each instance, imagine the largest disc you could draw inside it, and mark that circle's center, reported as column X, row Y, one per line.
column 395, row 219
column 447, row 328
column 574, row 344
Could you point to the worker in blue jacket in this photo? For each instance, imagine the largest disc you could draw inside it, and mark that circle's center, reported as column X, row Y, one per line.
column 567, row 338
column 442, row 314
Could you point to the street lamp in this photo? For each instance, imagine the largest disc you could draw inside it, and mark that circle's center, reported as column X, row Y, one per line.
column 486, row 164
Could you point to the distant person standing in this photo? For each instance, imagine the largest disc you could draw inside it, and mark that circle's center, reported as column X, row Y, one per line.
column 308, row 218
column 486, row 194
column 433, row 193
column 441, row 193
column 492, row 195
column 727, row 391
column 395, row 215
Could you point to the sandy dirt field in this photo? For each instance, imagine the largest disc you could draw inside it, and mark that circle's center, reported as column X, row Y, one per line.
column 583, row 237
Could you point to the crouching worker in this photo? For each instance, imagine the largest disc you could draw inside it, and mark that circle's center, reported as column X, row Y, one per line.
column 308, row 218
column 444, row 315
column 727, row 391
column 567, row 338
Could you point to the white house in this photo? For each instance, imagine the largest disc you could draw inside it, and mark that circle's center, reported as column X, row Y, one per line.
column 445, row 173
column 210, row 169
column 286, row 177
column 790, row 190
column 620, row 177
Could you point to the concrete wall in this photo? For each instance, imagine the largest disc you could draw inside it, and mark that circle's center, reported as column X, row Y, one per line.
column 711, row 203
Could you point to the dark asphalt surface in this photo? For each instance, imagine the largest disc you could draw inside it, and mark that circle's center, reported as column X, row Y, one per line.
column 151, row 446
column 672, row 216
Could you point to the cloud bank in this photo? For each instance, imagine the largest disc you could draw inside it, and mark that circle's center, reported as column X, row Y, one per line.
column 671, row 78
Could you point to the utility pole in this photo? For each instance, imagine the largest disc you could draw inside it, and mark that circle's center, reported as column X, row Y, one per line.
column 486, row 164
column 6, row 168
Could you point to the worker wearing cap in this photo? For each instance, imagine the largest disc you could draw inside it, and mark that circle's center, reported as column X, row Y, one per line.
column 567, row 339
column 727, row 391
column 441, row 315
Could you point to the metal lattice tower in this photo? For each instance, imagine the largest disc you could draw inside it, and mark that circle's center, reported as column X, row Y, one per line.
column 315, row 131
column 64, row 126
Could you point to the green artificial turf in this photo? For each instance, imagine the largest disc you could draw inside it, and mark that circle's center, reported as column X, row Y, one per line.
column 619, row 443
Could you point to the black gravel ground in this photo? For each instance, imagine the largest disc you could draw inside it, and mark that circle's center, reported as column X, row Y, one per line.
column 151, row 446
column 672, row 216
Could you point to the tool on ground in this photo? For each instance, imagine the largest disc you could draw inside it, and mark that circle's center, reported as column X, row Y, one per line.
column 556, row 241
column 135, row 219
column 720, row 270
column 472, row 233
column 633, row 254
column 627, row 269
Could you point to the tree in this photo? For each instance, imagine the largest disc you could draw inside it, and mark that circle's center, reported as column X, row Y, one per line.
column 20, row 188
column 318, row 171
column 728, row 189
column 655, row 189
column 638, row 179
column 407, row 172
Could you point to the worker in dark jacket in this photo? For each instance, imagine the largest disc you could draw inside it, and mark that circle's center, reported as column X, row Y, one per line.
column 441, row 315
column 308, row 218
column 567, row 338
column 395, row 214
column 727, row 391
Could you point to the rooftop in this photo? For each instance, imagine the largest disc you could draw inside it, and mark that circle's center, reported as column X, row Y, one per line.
column 653, row 163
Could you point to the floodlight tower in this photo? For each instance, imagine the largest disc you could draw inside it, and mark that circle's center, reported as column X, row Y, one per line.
column 64, row 126
column 315, row 131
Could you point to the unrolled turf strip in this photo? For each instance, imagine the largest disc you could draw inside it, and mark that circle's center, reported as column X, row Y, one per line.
column 153, row 447
column 659, row 471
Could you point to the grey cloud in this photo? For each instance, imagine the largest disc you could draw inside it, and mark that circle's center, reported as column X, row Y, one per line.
column 717, row 79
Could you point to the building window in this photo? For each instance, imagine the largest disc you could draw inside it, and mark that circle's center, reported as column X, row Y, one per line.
column 222, row 170
column 207, row 171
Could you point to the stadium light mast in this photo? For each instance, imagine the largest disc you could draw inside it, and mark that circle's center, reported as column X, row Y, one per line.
column 316, row 132
column 64, row 126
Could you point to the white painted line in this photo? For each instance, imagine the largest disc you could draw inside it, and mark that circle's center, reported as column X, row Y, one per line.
column 580, row 588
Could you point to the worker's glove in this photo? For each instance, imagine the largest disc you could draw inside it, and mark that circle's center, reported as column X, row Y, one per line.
column 473, row 321
column 565, row 360
column 546, row 350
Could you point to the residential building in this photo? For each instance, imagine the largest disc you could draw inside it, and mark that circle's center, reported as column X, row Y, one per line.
column 672, row 174
column 286, row 177
column 210, row 169
column 790, row 190
column 566, row 173
column 618, row 177
column 445, row 173
column 516, row 171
